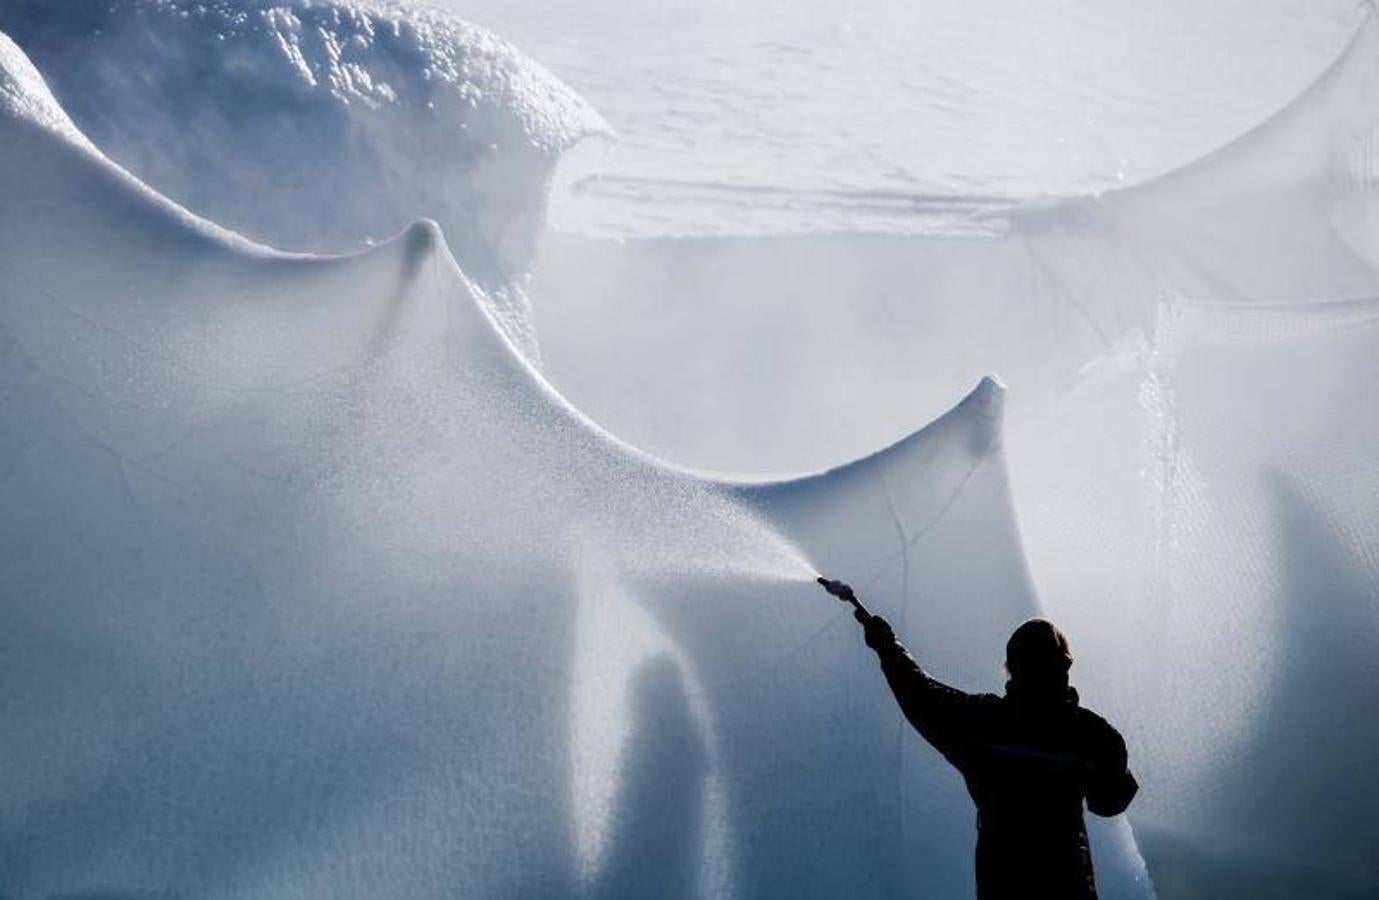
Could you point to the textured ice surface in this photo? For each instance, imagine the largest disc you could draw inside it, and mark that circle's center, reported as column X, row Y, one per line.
column 313, row 587
column 319, row 126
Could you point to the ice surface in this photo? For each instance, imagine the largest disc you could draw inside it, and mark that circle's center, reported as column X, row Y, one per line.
column 313, row 587
column 320, row 126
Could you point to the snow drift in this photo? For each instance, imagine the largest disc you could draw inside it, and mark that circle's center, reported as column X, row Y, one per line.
column 313, row 587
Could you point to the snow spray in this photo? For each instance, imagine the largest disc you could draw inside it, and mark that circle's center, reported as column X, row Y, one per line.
column 721, row 540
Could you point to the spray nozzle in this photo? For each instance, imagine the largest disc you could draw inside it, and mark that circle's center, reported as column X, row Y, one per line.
column 838, row 589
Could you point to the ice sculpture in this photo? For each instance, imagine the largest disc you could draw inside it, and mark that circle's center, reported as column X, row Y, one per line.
column 313, row 586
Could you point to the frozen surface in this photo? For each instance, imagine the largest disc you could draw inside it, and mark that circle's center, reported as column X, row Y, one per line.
column 315, row 588
column 319, row 126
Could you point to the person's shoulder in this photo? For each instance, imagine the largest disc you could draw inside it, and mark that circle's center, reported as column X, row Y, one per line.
column 1091, row 717
column 983, row 708
column 1095, row 727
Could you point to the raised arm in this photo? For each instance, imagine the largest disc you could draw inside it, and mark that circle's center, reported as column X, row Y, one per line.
column 937, row 711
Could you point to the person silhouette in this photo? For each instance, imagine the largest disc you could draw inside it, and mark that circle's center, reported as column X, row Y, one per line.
column 1029, row 758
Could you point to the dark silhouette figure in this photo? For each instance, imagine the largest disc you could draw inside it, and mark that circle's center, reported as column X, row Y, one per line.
column 1029, row 758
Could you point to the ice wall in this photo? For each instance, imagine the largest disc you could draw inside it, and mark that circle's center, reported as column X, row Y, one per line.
column 313, row 587
column 1189, row 442
column 320, row 126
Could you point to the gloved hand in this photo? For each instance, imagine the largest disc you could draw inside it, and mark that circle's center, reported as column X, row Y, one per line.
column 876, row 630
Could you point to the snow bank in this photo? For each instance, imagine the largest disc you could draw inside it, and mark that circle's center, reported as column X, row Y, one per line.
column 319, row 126
column 313, row 587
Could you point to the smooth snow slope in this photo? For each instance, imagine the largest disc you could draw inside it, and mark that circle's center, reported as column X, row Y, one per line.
column 314, row 588
column 320, row 126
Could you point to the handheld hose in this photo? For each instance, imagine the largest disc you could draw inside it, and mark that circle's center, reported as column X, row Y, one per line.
column 843, row 592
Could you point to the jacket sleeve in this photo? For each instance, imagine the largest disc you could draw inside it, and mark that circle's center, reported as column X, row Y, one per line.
column 937, row 711
column 1110, row 786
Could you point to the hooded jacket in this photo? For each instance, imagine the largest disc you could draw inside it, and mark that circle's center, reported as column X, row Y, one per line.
column 1030, row 760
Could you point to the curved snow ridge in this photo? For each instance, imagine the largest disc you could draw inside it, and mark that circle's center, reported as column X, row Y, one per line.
column 1283, row 213
column 1307, row 138
column 1296, row 143
column 1317, row 148
column 320, row 125
column 35, row 120
column 973, row 427
column 68, row 194
column 150, row 222
column 1300, row 139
